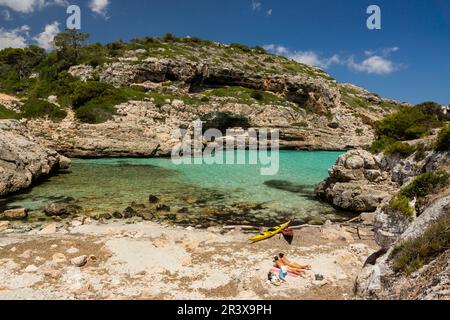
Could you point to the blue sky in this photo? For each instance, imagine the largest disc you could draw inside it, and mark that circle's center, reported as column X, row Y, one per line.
column 408, row 59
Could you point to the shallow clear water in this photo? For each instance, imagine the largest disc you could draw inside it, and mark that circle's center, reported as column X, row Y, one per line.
column 208, row 194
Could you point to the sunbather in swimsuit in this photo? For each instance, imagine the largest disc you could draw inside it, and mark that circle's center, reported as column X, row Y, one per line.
column 291, row 264
column 285, row 268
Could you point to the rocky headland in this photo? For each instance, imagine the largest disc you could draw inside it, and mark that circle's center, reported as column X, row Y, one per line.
column 23, row 160
column 407, row 199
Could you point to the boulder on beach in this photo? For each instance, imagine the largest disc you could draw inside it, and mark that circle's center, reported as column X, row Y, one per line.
column 79, row 261
column 117, row 215
column 15, row 214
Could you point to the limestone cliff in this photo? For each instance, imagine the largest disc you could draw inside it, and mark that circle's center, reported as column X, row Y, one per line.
column 186, row 81
column 22, row 159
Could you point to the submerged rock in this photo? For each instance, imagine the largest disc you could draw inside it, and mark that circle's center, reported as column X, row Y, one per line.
column 55, row 209
column 129, row 212
column 104, row 216
column 153, row 199
column 147, row 216
column 183, row 210
column 137, row 205
column 289, row 186
column 163, row 207
column 117, row 215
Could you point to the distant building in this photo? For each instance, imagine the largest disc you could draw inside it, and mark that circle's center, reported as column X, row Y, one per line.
column 446, row 109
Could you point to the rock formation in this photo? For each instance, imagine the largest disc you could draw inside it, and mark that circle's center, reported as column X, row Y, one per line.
column 22, row 159
column 309, row 108
column 361, row 181
column 358, row 182
column 432, row 281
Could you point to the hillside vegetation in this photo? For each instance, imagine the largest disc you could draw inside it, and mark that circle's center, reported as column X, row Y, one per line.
column 32, row 73
column 408, row 124
column 35, row 74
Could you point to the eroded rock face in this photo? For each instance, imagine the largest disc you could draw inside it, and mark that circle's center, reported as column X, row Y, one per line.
column 389, row 225
column 22, row 159
column 378, row 280
column 314, row 117
column 142, row 128
column 361, row 181
column 358, row 182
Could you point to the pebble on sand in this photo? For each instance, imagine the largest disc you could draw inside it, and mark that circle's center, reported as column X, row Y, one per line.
column 79, row 261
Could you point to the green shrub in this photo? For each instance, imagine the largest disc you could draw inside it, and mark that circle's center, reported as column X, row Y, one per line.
column 381, row 144
column 101, row 106
column 5, row 113
column 443, row 140
column 413, row 254
column 169, row 37
column 408, row 123
column 260, row 50
column 257, row 95
column 241, row 47
column 421, row 150
column 401, row 205
column 36, row 108
column 399, row 148
column 246, row 95
column 84, row 92
column 425, row 184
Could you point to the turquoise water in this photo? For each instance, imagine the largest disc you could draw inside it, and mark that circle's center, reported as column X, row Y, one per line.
column 196, row 194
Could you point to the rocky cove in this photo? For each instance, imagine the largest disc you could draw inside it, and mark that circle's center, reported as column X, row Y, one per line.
column 190, row 195
column 359, row 182
column 96, row 226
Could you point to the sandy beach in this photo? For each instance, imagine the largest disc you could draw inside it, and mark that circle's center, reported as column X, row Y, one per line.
column 143, row 260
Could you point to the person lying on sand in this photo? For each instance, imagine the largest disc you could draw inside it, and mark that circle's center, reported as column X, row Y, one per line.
column 294, row 265
column 285, row 268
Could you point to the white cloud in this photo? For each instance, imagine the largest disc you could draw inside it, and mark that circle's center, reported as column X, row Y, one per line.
column 28, row 6
column 385, row 52
column 15, row 38
column 269, row 12
column 45, row 38
column 310, row 58
column 256, row 5
column 377, row 61
column 373, row 65
column 99, row 6
column 280, row 50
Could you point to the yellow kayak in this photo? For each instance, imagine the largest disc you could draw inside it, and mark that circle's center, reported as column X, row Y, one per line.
column 270, row 232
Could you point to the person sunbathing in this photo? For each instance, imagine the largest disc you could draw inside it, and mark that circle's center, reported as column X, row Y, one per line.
column 285, row 268
column 294, row 265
